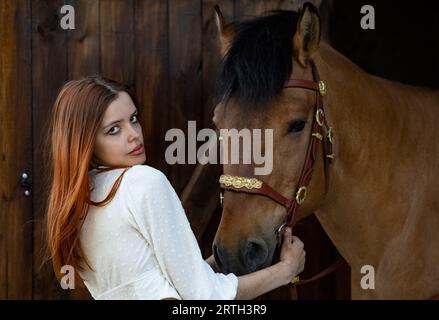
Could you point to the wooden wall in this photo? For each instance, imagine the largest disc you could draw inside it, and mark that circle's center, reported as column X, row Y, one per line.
column 15, row 150
column 167, row 51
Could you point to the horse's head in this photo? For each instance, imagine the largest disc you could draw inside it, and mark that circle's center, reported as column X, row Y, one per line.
column 260, row 55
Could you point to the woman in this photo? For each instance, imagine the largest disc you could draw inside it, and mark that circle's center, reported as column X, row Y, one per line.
column 118, row 222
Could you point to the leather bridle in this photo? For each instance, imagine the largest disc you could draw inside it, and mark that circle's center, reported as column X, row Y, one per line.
column 322, row 134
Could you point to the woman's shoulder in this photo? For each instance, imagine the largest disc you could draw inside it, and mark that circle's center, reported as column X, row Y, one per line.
column 143, row 183
column 142, row 171
column 145, row 177
column 136, row 179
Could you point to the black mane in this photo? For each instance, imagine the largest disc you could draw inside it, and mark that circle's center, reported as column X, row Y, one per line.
column 259, row 61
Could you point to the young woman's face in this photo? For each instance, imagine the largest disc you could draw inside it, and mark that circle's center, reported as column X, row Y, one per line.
column 119, row 134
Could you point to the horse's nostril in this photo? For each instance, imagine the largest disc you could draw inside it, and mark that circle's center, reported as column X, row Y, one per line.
column 256, row 254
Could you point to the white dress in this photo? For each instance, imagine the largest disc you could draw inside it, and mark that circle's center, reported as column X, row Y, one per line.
column 141, row 245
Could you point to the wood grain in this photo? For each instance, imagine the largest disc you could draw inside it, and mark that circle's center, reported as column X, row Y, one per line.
column 15, row 151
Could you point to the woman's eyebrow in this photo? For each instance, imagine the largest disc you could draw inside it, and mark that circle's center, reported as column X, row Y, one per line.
column 117, row 121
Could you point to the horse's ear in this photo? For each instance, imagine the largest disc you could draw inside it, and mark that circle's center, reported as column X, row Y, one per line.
column 307, row 38
column 226, row 31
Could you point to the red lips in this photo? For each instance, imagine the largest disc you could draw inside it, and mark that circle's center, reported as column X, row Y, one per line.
column 137, row 150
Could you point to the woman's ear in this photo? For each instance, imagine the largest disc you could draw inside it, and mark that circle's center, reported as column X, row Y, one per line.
column 307, row 38
column 226, row 31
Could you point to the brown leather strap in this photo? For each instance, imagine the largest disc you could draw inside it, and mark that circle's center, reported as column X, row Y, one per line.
column 308, row 167
column 266, row 191
column 328, row 270
column 293, row 293
column 306, row 174
column 325, row 272
column 304, row 84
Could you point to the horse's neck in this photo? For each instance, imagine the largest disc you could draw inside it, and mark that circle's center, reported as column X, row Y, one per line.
column 384, row 141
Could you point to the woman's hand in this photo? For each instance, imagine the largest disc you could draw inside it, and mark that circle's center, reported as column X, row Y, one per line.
column 292, row 255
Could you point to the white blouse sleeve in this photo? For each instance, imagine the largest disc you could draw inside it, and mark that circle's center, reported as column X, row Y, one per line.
column 160, row 218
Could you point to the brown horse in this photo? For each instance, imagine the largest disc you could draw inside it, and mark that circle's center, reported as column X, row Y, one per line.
column 381, row 207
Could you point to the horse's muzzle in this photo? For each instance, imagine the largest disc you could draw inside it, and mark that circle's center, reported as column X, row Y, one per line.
column 253, row 254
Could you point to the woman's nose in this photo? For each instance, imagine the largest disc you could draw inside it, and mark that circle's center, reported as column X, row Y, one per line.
column 133, row 133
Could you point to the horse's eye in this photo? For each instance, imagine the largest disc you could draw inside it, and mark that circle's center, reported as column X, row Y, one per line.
column 296, row 126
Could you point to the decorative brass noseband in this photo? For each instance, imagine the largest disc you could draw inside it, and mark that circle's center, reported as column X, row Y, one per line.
column 240, row 182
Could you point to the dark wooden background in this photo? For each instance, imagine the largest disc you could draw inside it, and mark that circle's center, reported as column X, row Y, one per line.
column 167, row 52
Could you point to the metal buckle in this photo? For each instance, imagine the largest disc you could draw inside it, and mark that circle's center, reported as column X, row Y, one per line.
column 331, row 135
column 318, row 136
column 279, row 230
column 301, row 195
column 322, row 87
column 320, row 117
column 295, row 280
column 279, row 234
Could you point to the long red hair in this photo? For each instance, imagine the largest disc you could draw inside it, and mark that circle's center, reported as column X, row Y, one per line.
column 76, row 118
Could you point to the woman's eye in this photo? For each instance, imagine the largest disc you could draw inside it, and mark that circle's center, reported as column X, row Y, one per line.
column 296, row 126
column 134, row 119
column 112, row 131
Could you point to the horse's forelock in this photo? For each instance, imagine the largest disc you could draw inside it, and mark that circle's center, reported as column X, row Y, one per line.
column 259, row 61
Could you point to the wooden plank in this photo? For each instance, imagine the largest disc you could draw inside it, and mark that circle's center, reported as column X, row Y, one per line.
column 117, row 40
column 200, row 197
column 151, row 78
column 185, row 75
column 49, row 72
column 83, row 59
column 211, row 54
column 326, row 10
column 83, row 42
column 15, row 148
column 245, row 9
column 250, row 8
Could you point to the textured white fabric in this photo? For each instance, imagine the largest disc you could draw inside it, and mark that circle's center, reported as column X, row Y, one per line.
column 141, row 245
